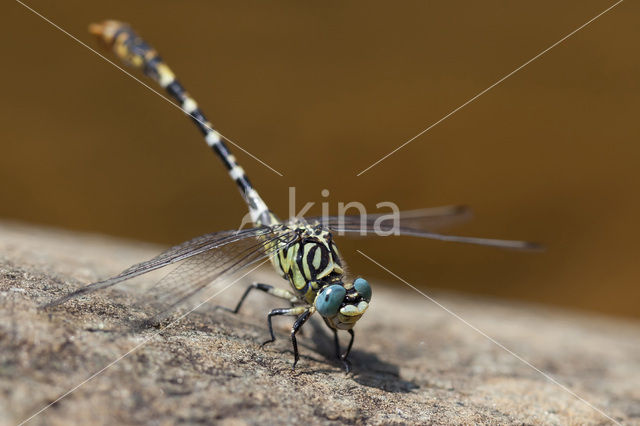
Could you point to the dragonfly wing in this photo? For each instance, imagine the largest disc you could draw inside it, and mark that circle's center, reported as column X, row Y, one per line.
column 508, row 244
column 434, row 218
column 192, row 277
column 416, row 223
column 429, row 219
column 186, row 250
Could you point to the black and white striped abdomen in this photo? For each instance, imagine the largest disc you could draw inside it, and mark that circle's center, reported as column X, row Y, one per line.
column 131, row 49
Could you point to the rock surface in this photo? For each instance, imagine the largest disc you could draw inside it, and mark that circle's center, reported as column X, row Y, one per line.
column 413, row 361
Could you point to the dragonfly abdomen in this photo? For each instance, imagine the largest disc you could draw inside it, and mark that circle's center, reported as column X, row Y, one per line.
column 134, row 51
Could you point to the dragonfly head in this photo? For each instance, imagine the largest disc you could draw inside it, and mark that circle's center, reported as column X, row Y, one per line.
column 343, row 304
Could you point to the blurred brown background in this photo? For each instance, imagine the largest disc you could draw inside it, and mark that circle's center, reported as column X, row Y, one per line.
column 321, row 91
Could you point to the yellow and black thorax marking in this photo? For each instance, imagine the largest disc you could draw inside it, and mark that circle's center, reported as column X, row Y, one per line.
column 310, row 262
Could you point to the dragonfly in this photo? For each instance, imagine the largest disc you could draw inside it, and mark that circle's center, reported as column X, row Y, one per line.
column 302, row 251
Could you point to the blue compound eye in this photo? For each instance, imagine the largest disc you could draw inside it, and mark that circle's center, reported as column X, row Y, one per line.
column 329, row 300
column 363, row 288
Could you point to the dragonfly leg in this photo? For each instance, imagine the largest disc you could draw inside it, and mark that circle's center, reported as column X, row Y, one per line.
column 296, row 326
column 298, row 310
column 346, row 364
column 277, row 292
column 345, row 357
column 337, row 343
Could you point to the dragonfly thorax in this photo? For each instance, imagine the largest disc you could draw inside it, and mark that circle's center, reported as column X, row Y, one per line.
column 310, row 262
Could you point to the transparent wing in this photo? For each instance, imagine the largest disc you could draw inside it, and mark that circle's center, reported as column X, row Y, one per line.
column 198, row 246
column 185, row 286
column 429, row 219
column 416, row 223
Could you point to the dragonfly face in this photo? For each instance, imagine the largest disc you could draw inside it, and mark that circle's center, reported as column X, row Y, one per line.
column 342, row 305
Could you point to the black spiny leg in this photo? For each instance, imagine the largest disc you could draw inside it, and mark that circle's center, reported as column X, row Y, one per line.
column 346, row 355
column 296, row 326
column 298, row 310
column 282, row 294
column 346, row 364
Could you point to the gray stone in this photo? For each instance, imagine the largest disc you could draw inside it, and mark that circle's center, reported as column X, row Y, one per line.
column 413, row 361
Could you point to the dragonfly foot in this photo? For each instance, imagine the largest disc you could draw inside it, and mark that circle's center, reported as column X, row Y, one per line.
column 266, row 342
column 223, row 308
column 346, row 364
